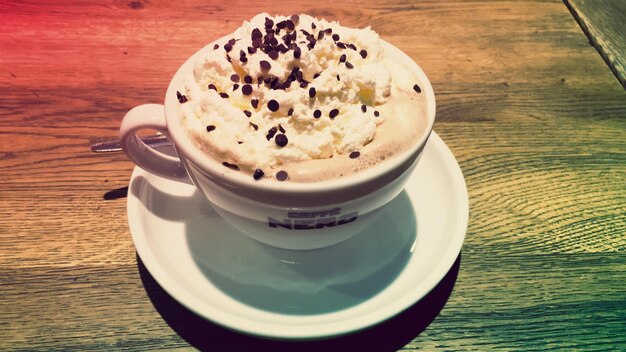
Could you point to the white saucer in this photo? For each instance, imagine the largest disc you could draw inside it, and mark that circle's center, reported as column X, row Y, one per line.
column 232, row 280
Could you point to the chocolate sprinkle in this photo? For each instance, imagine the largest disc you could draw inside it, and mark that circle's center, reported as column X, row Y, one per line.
column 316, row 75
column 333, row 113
column 224, row 95
column 212, row 86
column 297, row 52
column 281, row 129
column 216, row 46
column 246, row 89
column 363, row 53
column 290, row 112
column 354, row 155
column 335, row 37
column 339, row 79
column 271, row 132
column 342, row 58
column 254, row 125
column 417, row 88
column 317, row 114
column 251, row 50
column 282, row 175
column 281, row 140
column 265, row 65
column 258, row 173
column 256, row 33
column 273, row 54
column 210, row 128
column 273, row 105
column 254, row 103
column 234, row 78
column 341, row 45
column 229, row 45
column 287, row 83
column 349, row 65
column 274, row 83
column 247, row 79
column 231, row 166
column 295, row 18
column 247, row 112
column 364, row 108
column 235, row 86
column 181, row 98
column 312, row 92
column 376, row 113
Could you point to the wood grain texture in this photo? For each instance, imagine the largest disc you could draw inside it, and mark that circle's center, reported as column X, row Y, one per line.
column 531, row 112
column 604, row 22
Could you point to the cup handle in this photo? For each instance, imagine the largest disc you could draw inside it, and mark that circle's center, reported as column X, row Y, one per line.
column 149, row 116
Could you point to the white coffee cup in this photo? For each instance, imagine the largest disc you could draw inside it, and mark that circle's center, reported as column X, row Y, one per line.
column 282, row 214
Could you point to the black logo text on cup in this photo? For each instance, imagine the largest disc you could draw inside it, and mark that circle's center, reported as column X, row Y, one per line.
column 308, row 220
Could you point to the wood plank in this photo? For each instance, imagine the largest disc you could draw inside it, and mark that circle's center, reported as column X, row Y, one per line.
column 604, row 22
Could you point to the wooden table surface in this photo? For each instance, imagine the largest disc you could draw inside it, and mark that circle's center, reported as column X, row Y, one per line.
column 534, row 116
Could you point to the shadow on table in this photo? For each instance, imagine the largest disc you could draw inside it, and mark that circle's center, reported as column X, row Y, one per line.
column 390, row 335
column 116, row 193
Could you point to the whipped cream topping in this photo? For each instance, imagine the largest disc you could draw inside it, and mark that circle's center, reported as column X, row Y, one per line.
column 282, row 90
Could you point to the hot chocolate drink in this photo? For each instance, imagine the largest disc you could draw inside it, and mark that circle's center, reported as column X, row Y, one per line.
column 301, row 99
column 291, row 125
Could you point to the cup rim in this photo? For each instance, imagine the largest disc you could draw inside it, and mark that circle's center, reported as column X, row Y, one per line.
column 215, row 169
